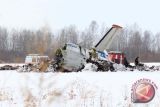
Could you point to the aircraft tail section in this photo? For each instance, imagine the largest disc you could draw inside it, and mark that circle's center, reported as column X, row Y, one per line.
column 107, row 39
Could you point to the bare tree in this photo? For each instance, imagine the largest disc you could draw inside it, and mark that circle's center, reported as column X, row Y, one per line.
column 157, row 44
column 68, row 34
column 62, row 38
column 146, row 41
column 88, row 36
column 135, row 44
column 3, row 39
column 15, row 45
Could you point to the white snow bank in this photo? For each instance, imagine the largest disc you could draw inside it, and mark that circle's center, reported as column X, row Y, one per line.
column 82, row 89
column 12, row 64
column 90, row 67
column 149, row 64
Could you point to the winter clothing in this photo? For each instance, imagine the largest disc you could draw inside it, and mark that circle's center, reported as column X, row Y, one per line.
column 137, row 63
column 94, row 54
column 59, row 57
column 58, row 53
column 126, row 63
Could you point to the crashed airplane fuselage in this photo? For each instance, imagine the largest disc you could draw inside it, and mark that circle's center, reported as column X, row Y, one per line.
column 75, row 56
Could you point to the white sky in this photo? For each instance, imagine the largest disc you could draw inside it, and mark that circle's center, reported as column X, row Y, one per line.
column 32, row 14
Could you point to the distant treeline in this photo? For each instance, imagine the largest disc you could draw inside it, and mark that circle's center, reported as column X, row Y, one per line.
column 16, row 44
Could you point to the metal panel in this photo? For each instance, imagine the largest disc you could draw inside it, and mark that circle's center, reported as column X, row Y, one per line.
column 73, row 58
column 108, row 38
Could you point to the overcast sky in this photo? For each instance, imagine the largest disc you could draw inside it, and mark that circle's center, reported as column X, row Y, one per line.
column 33, row 14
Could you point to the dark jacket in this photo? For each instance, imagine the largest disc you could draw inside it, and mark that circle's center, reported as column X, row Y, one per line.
column 126, row 63
column 137, row 61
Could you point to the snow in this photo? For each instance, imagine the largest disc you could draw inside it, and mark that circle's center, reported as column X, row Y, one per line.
column 77, row 89
column 12, row 64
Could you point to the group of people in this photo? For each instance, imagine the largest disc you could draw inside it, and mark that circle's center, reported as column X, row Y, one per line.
column 136, row 62
column 93, row 57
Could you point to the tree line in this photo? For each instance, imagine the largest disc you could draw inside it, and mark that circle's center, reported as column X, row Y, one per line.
column 16, row 44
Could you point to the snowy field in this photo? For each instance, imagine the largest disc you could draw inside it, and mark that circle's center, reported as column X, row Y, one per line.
column 12, row 64
column 82, row 89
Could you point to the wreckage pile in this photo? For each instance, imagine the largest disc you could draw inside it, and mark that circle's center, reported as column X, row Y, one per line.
column 99, row 66
column 9, row 67
column 74, row 58
column 120, row 67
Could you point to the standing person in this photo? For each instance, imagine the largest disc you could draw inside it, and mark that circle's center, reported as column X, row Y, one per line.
column 59, row 57
column 94, row 55
column 136, row 61
column 126, row 63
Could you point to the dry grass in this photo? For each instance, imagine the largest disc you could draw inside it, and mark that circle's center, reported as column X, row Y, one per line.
column 77, row 93
column 83, row 89
column 29, row 99
column 51, row 96
column 4, row 95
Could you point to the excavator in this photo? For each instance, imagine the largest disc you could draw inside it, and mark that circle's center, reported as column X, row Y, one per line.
column 75, row 56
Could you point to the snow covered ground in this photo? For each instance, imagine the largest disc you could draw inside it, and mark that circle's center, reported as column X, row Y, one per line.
column 81, row 89
column 12, row 64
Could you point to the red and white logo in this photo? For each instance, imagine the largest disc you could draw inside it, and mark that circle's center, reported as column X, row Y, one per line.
column 143, row 91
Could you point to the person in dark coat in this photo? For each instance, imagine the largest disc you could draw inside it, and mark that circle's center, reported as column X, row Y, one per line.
column 126, row 63
column 137, row 63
